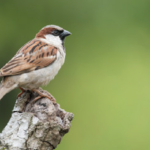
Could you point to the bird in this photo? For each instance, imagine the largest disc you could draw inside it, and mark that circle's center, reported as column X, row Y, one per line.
column 36, row 63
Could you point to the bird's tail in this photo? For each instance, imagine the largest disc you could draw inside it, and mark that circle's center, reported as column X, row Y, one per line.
column 4, row 90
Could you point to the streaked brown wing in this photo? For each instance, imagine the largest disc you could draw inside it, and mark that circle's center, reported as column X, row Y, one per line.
column 32, row 56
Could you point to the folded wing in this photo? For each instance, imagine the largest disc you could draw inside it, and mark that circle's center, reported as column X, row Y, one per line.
column 32, row 56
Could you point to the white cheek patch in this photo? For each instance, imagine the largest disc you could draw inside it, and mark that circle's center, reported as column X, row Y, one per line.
column 53, row 40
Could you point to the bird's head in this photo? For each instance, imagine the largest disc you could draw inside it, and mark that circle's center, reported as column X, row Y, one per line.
column 53, row 34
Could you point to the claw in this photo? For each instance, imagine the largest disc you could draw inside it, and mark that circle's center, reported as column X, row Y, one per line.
column 42, row 95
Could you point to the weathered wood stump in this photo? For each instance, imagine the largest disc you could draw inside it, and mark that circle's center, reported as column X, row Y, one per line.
column 35, row 126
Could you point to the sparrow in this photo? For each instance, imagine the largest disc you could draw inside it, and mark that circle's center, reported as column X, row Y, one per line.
column 36, row 63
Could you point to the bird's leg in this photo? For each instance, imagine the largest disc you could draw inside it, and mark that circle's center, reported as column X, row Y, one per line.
column 37, row 98
column 22, row 91
column 42, row 95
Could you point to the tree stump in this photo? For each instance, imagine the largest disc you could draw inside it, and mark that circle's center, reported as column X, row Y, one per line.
column 36, row 125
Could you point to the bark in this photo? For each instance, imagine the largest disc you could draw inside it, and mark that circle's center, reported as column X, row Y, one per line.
column 35, row 126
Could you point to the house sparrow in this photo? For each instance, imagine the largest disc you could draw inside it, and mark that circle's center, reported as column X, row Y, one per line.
column 36, row 63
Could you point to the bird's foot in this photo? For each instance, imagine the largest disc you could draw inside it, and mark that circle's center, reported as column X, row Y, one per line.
column 42, row 95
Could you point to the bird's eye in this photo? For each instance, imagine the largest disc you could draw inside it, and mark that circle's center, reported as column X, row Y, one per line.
column 55, row 32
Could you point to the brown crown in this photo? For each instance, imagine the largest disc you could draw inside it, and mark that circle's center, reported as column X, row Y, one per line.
column 44, row 31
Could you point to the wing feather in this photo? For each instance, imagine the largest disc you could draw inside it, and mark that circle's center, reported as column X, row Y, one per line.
column 32, row 56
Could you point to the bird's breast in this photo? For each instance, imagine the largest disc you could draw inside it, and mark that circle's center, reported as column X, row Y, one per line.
column 37, row 78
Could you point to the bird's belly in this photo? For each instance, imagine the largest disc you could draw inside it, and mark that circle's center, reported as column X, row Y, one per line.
column 40, row 77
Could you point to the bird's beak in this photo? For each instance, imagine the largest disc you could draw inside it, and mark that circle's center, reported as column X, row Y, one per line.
column 64, row 34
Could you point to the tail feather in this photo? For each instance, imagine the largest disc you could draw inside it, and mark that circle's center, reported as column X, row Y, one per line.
column 4, row 90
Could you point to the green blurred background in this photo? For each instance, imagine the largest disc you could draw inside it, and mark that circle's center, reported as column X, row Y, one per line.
column 105, row 80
